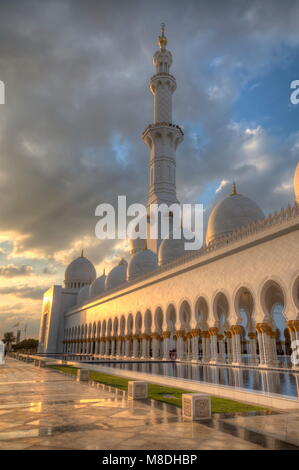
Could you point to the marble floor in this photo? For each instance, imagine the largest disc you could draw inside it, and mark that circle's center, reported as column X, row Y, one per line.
column 43, row 409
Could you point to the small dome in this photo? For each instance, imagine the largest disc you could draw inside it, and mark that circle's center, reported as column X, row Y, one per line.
column 80, row 270
column 142, row 263
column 83, row 294
column 137, row 244
column 296, row 183
column 172, row 248
column 117, row 275
column 98, row 286
column 233, row 212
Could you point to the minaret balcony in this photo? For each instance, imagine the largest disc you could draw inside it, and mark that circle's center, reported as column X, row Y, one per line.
column 162, row 79
column 158, row 125
column 162, row 74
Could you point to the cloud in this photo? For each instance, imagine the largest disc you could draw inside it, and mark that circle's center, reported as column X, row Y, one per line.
column 11, row 308
column 77, row 102
column 49, row 270
column 26, row 292
column 76, row 77
column 11, row 270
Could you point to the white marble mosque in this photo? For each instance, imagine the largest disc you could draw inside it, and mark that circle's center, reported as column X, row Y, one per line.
column 234, row 301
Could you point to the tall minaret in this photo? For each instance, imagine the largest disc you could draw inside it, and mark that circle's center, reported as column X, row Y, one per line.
column 162, row 136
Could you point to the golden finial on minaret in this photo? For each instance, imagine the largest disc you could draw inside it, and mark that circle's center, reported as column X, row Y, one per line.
column 234, row 189
column 82, row 255
column 162, row 40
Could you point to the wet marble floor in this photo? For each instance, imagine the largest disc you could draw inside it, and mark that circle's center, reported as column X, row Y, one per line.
column 43, row 409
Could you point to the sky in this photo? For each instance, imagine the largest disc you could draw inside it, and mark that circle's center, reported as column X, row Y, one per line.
column 76, row 104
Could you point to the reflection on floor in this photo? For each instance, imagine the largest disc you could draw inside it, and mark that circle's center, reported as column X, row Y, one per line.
column 42, row 409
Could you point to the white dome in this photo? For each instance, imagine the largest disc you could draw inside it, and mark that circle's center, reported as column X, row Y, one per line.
column 117, row 275
column 233, row 212
column 98, row 286
column 296, row 183
column 171, row 249
column 83, row 294
column 142, row 263
column 137, row 244
column 80, row 270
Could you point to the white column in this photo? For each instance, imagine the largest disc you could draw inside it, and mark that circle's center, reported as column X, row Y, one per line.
column 228, row 335
column 135, row 346
column 127, row 346
column 253, row 348
column 236, row 342
column 264, row 331
column 155, row 346
column 213, row 344
column 118, row 347
column 293, row 327
column 113, row 346
column 261, row 346
column 166, row 345
column 107, row 347
column 180, row 344
column 205, row 346
column 144, row 347
column 194, row 344
column 221, row 348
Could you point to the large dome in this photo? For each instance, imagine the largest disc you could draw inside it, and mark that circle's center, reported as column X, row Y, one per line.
column 142, row 263
column 117, row 275
column 98, row 286
column 296, row 183
column 233, row 212
column 79, row 272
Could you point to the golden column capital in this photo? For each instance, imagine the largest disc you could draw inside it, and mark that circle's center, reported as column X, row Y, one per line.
column 263, row 328
column 196, row 332
column 213, row 331
column 156, row 336
column 205, row 334
column 180, row 333
column 252, row 335
column 166, row 334
column 236, row 329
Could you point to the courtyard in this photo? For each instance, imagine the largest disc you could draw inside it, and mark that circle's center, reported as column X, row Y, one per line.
column 42, row 409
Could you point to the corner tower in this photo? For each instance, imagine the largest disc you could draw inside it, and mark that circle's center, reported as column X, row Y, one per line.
column 162, row 136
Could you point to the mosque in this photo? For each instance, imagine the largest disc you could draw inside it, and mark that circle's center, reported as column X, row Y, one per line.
column 219, row 304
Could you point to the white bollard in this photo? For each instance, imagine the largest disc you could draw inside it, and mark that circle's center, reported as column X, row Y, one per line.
column 82, row 375
column 2, row 353
column 137, row 390
column 196, row 406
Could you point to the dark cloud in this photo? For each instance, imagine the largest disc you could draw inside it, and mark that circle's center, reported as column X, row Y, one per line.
column 11, row 270
column 25, row 292
column 49, row 270
column 76, row 75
